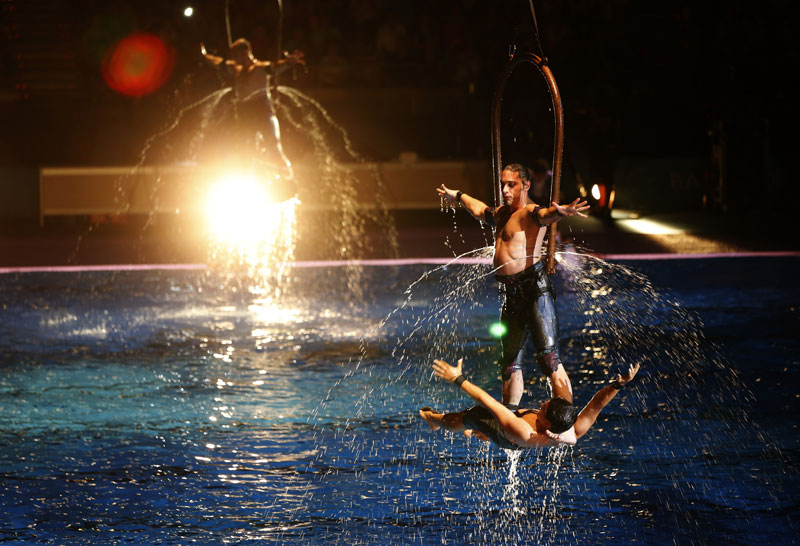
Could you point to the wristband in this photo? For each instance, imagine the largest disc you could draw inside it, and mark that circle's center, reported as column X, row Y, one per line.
column 617, row 385
column 459, row 380
column 459, row 193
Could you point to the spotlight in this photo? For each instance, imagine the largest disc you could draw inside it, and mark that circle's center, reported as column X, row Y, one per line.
column 237, row 209
column 188, row 12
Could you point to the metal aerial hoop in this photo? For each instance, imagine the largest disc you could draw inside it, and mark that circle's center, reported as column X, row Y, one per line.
column 558, row 141
column 540, row 62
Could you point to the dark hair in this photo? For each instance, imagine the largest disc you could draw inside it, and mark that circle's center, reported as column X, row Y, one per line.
column 521, row 170
column 561, row 414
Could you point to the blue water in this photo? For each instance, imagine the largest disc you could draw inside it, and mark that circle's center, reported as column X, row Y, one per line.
column 165, row 408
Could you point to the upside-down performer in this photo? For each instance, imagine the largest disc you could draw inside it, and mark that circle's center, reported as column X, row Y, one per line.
column 556, row 421
column 529, row 308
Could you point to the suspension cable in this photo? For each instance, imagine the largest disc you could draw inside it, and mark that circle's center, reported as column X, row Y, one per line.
column 228, row 22
column 536, row 30
column 279, row 39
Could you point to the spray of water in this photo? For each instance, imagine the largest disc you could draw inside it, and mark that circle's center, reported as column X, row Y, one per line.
column 685, row 405
column 257, row 260
column 350, row 219
column 126, row 185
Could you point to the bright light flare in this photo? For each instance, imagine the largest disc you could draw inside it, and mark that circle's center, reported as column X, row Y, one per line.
column 649, row 227
column 596, row 192
column 238, row 209
column 498, row 329
column 138, row 65
column 252, row 233
column 188, row 12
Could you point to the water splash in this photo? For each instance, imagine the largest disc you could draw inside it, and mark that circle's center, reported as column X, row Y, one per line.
column 689, row 398
column 157, row 145
column 260, row 264
column 350, row 225
column 351, row 219
column 120, row 406
column 683, row 409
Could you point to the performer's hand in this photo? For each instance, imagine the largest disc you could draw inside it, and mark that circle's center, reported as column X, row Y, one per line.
column 567, row 437
column 446, row 371
column 576, row 208
column 447, row 193
column 631, row 373
column 296, row 57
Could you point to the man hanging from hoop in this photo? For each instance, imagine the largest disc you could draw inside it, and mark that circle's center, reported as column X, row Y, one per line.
column 529, row 308
column 253, row 106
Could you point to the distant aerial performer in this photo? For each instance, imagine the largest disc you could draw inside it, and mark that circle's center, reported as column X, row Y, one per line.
column 256, row 126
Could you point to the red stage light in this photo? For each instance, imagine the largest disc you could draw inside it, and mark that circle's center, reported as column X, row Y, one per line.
column 138, row 64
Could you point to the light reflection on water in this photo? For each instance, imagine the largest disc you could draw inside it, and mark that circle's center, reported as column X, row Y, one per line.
column 306, row 430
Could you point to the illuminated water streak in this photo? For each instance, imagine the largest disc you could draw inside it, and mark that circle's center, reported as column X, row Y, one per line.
column 682, row 412
column 252, row 235
column 111, row 397
column 347, row 215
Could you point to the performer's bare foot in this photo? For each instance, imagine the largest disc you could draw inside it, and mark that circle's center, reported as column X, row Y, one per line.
column 433, row 419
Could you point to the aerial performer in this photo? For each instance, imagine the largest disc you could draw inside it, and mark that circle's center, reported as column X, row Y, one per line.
column 258, row 131
column 529, row 307
column 556, row 421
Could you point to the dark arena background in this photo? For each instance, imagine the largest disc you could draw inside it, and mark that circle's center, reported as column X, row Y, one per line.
column 678, row 106
column 224, row 277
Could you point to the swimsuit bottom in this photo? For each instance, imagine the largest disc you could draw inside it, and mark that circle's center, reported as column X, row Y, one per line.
column 481, row 419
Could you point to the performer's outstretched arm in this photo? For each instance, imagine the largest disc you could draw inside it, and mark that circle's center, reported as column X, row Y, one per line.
column 288, row 61
column 589, row 413
column 516, row 428
column 477, row 208
column 556, row 212
column 213, row 59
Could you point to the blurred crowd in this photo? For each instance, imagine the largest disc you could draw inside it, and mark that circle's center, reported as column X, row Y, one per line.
column 374, row 42
column 636, row 78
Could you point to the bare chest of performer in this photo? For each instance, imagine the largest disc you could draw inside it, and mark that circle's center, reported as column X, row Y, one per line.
column 518, row 240
column 250, row 82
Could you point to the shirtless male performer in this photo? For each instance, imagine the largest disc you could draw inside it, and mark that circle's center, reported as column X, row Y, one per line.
column 252, row 80
column 529, row 308
column 556, row 421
